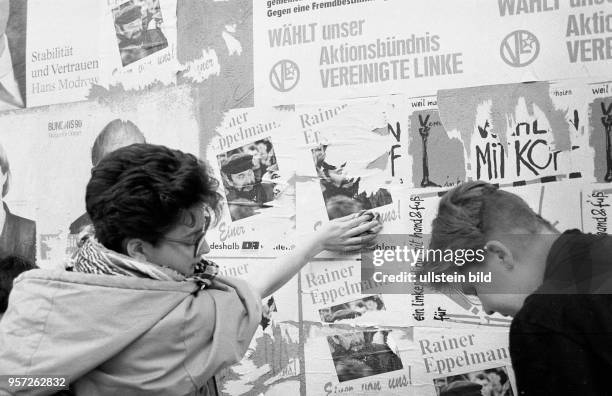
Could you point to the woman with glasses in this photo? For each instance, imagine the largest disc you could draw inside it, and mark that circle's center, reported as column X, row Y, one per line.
column 140, row 311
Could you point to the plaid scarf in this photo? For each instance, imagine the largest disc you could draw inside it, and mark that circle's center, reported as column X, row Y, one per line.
column 93, row 258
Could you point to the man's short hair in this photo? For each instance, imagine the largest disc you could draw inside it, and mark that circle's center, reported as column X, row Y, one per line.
column 10, row 268
column 6, row 168
column 114, row 132
column 141, row 191
column 470, row 212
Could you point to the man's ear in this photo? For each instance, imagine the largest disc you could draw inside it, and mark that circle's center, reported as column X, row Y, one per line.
column 135, row 248
column 501, row 253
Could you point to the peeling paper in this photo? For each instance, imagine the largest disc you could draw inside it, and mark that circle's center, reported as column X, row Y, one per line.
column 258, row 216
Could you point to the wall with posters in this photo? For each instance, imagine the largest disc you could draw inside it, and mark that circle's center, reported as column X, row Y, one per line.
column 339, row 105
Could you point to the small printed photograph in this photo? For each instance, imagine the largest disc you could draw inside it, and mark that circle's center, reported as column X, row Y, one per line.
column 342, row 193
column 363, row 354
column 352, row 309
column 268, row 309
column 489, row 382
column 138, row 25
column 250, row 178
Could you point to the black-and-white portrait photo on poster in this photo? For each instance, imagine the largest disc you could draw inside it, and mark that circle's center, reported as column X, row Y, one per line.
column 363, row 354
column 116, row 134
column 342, row 193
column 138, row 25
column 250, row 175
column 352, row 309
column 18, row 236
column 488, row 382
column 12, row 54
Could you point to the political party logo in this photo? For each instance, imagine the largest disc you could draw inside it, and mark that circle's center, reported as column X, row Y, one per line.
column 284, row 75
column 519, row 48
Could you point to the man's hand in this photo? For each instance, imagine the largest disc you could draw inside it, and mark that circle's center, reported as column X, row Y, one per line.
column 349, row 233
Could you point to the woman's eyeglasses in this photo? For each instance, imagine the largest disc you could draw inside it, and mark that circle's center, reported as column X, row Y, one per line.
column 198, row 243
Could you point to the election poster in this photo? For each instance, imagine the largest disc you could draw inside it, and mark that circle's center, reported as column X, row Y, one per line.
column 20, row 151
column 13, row 33
column 138, row 43
column 335, row 293
column 348, row 160
column 62, row 63
column 271, row 364
column 434, row 159
column 468, row 360
column 251, row 154
column 359, row 361
column 599, row 130
column 88, row 131
column 338, row 49
column 518, row 132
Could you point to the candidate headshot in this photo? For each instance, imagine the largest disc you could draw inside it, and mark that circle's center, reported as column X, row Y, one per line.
column 116, row 134
column 243, row 191
column 12, row 54
column 138, row 34
column 18, row 237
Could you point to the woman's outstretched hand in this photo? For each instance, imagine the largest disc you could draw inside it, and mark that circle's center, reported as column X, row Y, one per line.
column 346, row 234
column 350, row 233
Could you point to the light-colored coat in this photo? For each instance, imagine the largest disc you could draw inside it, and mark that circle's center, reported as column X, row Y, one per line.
column 117, row 335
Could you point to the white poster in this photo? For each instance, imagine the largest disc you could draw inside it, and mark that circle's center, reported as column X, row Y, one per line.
column 77, row 136
column 359, row 361
column 308, row 51
column 138, row 43
column 63, row 63
column 252, row 157
column 474, row 359
column 334, row 293
column 271, row 364
column 118, row 44
column 348, row 159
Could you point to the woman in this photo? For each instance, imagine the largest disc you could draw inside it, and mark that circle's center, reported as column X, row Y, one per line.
column 141, row 312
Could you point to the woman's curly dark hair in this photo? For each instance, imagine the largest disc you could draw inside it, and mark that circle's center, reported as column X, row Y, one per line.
column 141, row 190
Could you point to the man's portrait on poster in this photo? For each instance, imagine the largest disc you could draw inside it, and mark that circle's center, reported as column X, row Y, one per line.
column 18, row 235
column 250, row 178
column 12, row 54
column 352, row 309
column 363, row 354
column 138, row 25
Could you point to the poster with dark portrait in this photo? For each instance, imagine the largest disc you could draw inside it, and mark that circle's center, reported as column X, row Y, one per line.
column 252, row 157
column 463, row 361
column 13, row 28
column 373, row 361
column 78, row 136
column 138, row 25
column 349, row 159
column 20, row 189
column 335, row 292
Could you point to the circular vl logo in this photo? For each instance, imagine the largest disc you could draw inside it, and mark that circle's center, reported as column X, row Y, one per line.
column 519, row 48
column 284, row 75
